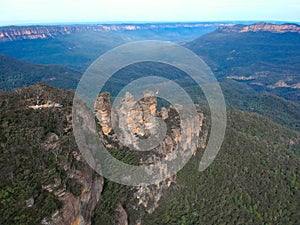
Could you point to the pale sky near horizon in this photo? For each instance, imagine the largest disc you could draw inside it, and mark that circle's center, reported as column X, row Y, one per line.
column 14, row 12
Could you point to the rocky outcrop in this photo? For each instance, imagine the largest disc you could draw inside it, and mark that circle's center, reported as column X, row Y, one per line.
column 103, row 111
column 122, row 217
column 49, row 104
column 134, row 122
column 77, row 209
column 282, row 83
column 261, row 27
column 66, row 176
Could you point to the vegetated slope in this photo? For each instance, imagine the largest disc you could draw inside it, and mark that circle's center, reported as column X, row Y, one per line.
column 15, row 73
column 242, row 96
column 25, row 165
column 42, row 174
column 254, row 179
column 262, row 58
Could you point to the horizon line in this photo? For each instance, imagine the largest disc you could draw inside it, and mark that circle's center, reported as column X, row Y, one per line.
column 142, row 22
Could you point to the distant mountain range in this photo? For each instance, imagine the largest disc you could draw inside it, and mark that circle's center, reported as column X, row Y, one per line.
column 13, row 33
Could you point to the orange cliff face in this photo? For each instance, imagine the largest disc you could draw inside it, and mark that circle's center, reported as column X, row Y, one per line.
column 274, row 28
column 262, row 27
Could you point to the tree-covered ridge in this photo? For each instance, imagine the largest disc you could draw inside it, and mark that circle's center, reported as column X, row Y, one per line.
column 35, row 147
column 15, row 73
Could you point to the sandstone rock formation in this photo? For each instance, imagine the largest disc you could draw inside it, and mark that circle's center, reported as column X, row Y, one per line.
column 103, row 111
column 132, row 122
column 76, row 210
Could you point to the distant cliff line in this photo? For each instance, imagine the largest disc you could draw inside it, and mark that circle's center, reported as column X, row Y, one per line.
column 14, row 33
column 261, row 27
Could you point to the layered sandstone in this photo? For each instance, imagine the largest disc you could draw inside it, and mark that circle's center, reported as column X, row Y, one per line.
column 133, row 122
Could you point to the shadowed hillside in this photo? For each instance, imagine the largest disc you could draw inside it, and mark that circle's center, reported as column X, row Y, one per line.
column 15, row 73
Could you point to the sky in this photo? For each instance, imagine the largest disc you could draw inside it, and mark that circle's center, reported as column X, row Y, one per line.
column 15, row 12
